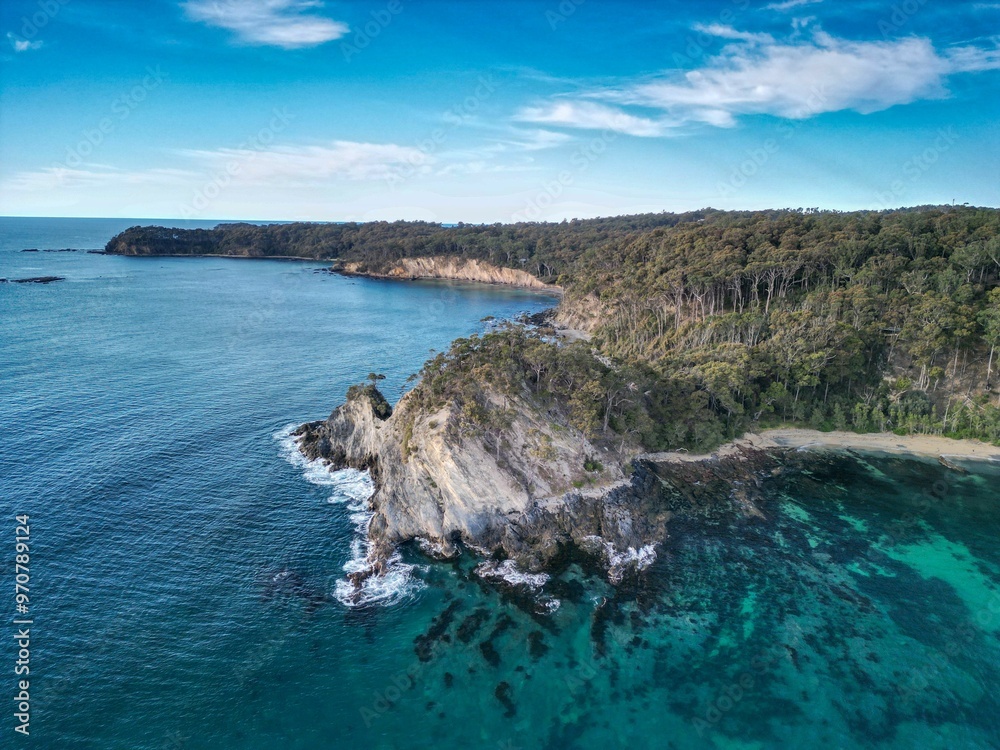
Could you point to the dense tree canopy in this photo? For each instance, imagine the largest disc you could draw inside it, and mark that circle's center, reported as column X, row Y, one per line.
column 709, row 322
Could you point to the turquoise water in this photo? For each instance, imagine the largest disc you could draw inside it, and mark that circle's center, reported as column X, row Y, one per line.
column 185, row 564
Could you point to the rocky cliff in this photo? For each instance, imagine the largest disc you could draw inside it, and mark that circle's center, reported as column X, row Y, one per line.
column 442, row 267
column 581, row 313
column 547, row 487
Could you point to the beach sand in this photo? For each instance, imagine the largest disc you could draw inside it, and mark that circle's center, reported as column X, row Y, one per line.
column 933, row 446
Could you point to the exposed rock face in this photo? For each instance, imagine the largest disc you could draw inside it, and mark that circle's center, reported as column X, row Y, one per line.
column 529, row 500
column 441, row 267
column 581, row 313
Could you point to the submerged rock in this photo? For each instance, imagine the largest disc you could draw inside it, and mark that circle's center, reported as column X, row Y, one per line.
column 503, row 694
column 34, row 280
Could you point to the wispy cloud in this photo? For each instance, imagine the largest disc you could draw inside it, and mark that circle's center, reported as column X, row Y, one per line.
column 800, row 80
column 314, row 164
column 728, row 32
column 973, row 59
column 48, row 179
column 22, row 45
column 590, row 115
column 795, row 78
column 536, row 140
column 279, row 23
column 275, row 167
column 790, row 4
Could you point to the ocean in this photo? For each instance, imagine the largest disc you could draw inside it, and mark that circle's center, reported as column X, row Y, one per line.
column 186, row 564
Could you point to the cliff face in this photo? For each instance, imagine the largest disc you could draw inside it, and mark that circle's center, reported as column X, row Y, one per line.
column 581, row 313
column 442, row 267
column 525, row 501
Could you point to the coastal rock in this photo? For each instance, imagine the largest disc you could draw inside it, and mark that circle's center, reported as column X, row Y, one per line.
column 444, row 267
column 581, row 313
column 526, row 500
column 34, row 280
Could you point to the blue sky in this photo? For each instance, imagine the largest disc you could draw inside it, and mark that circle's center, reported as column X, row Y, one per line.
column 493, row 111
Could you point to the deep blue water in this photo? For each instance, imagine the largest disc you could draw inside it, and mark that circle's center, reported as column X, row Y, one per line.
column 184, row 564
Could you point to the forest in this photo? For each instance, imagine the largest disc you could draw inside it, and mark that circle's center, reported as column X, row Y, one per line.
column 708, row 323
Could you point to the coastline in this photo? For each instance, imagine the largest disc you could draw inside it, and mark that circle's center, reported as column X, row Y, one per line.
column 548, row 289
column 933, row 446
column 448, row 268
column 214, row 255
column 874, row 443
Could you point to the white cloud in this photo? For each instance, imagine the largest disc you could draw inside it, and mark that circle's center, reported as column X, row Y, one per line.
column 22, row 45
column 85, row 175
column 309, row 165
column 278, row 23
column 728, row 32
column 537, row 140
column 789, row 4
column 974, row 59
column 794, row 79
column 590, row 115
column 275, row 167
column 800, row 80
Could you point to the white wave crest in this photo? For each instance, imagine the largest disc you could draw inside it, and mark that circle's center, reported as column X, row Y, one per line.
column 619, row 562
column 509, row 572
column 354, row 489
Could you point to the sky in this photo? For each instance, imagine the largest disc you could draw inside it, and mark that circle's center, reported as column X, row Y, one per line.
column 483, row 111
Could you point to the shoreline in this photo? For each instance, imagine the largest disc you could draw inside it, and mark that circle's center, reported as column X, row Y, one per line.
column 550, row 290
column 215, row 255
column 931, row 446
column 547, row 289
column 872, row 443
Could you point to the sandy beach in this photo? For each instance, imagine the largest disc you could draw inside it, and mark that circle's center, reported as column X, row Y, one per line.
column 883, row 442
column 933, row 446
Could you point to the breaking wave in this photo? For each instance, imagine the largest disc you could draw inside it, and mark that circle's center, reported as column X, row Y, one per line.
column 354, row 489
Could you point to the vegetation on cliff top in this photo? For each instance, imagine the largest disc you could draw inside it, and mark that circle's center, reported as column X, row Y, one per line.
column 709, row 322
column 380, row 405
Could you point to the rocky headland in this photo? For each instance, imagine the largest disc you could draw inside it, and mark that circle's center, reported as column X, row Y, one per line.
column 547, row 489
column 522, row 502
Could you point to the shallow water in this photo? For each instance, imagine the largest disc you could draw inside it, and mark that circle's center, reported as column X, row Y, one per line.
column 185, row 564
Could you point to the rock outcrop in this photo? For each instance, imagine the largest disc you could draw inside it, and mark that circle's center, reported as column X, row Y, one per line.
column 525, row 497
column 582, row 313
column 443, row 267
column 34, row 280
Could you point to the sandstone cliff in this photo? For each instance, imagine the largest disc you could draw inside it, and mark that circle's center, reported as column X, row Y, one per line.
column 442, row 267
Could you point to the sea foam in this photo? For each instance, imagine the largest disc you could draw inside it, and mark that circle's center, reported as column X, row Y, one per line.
column 353, row 489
